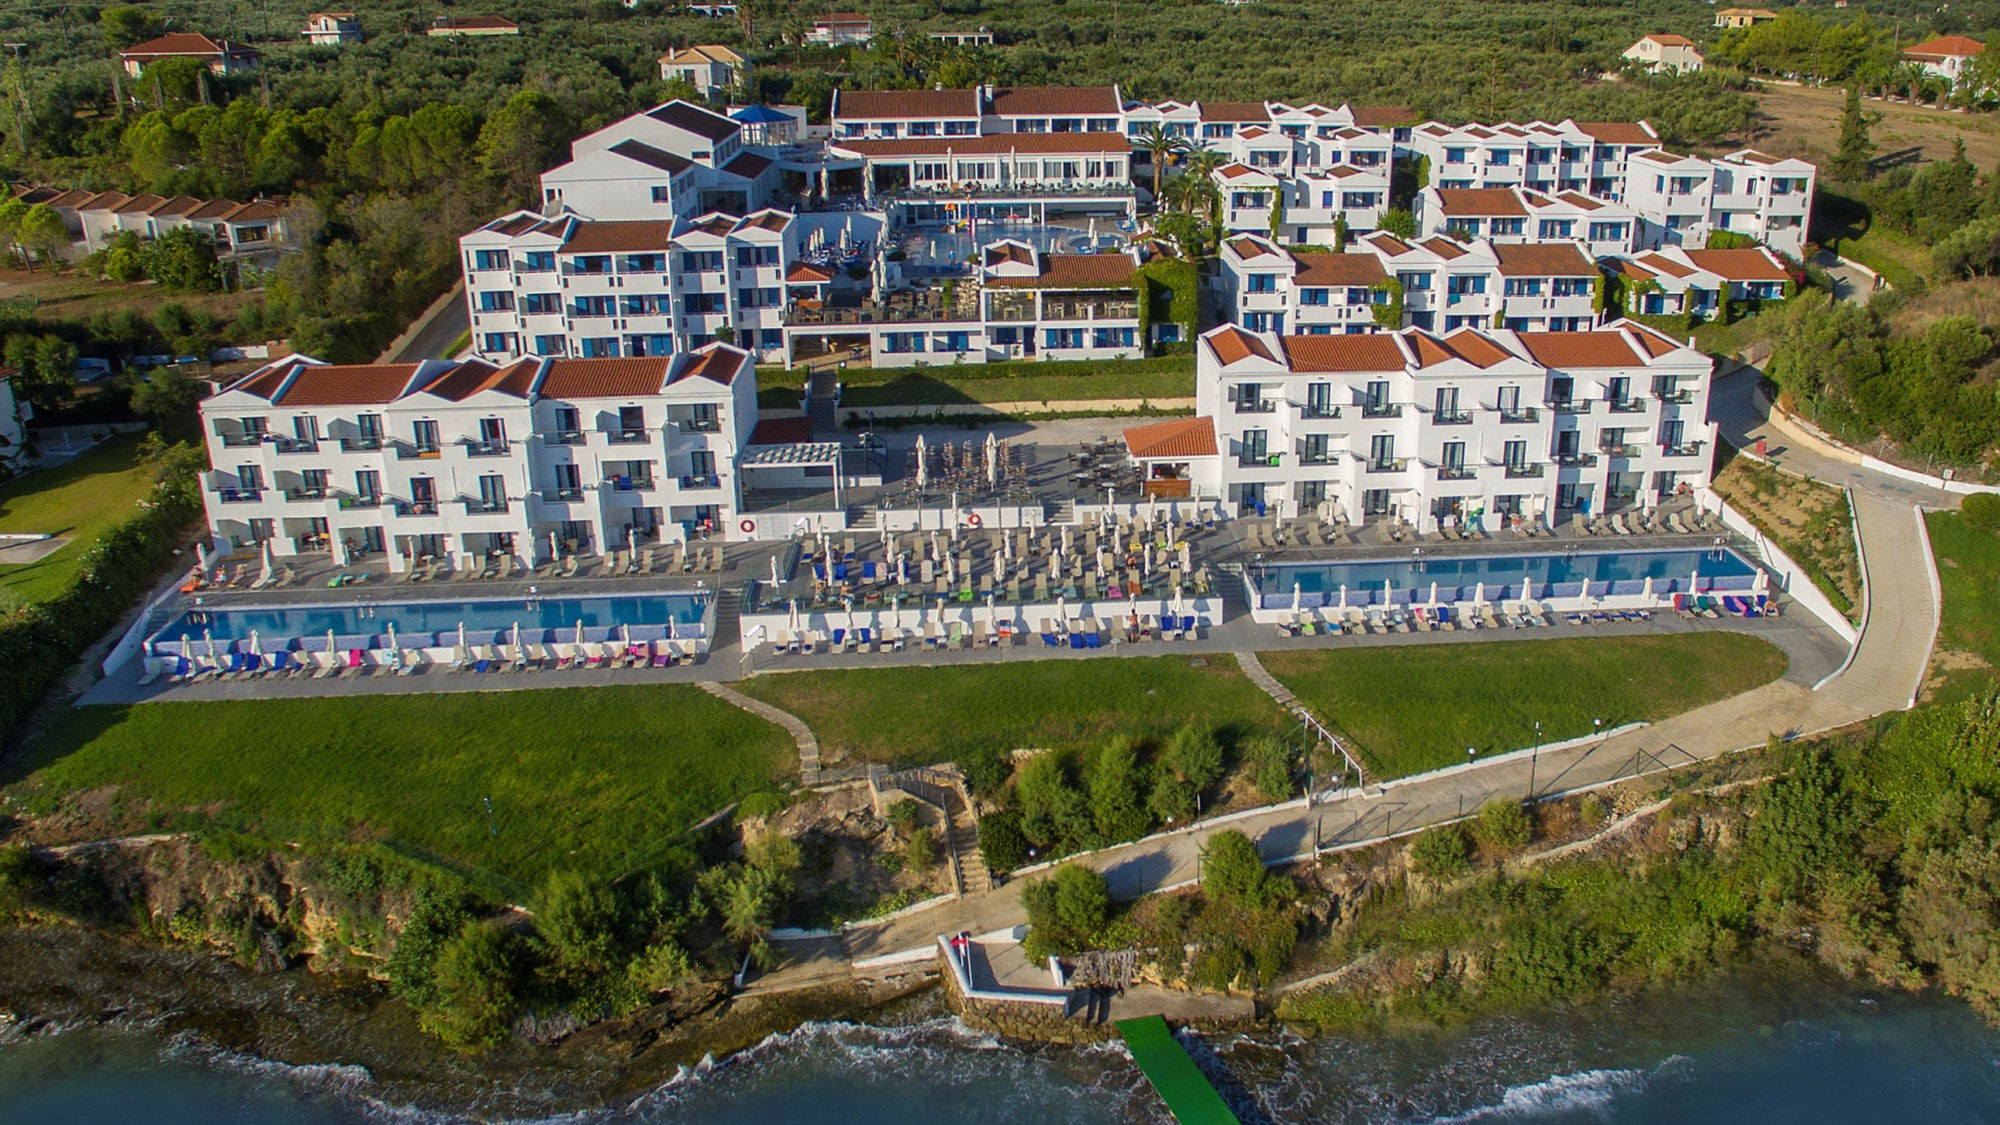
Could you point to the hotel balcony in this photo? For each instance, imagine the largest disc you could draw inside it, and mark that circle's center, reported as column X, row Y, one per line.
column 1524, row 471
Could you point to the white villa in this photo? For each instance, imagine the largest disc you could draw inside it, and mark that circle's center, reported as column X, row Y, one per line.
column 331, row 29
column 1579, row 156
column 456, row 461
column 1672, row 280
column 1663, row 53
column 14, row 415
column 1518, row 215
column 1945, row 57
column 710, row 68
column 1471, row 425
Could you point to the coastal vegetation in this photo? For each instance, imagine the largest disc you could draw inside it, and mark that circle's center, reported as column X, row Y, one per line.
column 1811, row 522
column 1407, row 710
column 1870, row 850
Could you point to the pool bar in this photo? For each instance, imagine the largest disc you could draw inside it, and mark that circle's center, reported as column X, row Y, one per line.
column 1567, row 581
column 441, row 631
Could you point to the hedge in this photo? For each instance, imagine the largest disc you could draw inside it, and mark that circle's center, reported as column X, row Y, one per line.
column 43, row 640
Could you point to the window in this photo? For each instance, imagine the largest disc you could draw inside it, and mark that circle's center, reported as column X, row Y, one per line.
column 1382, row 451
column 602, row 347
column 424, row 436
column 953, row 341
column 492, row 301
column 550, row 345
column 1514, row 455
column 1355, row 199
column 1112, row 338
column 661, row 194
column 536, row 303
column 1571, row 286
column 489, row 259
column 1062, row 338
column 1315, row 297
column 1556, row 228
column 1263, row 283
column 1608, row 232
column 496, row 343
column 1454, row 156
column 1499, row 158
column 538, row 261
column 923, row 128
column 1508, row 226
column 960, row 128
column 1524, row 287
column 1414, row 282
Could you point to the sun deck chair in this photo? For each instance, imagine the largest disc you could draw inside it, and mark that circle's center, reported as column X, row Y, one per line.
column 663, row 655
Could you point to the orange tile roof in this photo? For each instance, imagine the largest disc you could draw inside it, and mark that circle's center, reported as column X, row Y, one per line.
column 1339, row 269
column 1395, row 247
column 191, row 44
column 1946, row 46
column 1658, row 263
column 990, row 145
column 1376, row 116
column 1543, row 259
column 1248, row 247
column 1054, row 101
column 606, row 378
column 1233, row 345
column 1444, row 247
column 1666, row 39
column 1374, row 352
column 1234, row 111
column 874, row 104
column 1655, row 342
column 718, row 364
column 781, row 431
column 473, row 377
column 1618, row 132
column 615, row 235
column 1479, row 201
column 773, row 221
column 1464, row 344
column 1580, row 349
column 1739, row 265
column 1089, row 271
column 803, row 274
column 355, row 384
column 1173, row 440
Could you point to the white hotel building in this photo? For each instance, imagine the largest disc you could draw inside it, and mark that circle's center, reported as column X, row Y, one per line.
column 1445, row 285
column 457, row 461
column 1683, row 199
column 1581, row 156
column 1423, row 426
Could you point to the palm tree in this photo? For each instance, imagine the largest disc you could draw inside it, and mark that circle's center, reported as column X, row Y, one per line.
column 1162, row 149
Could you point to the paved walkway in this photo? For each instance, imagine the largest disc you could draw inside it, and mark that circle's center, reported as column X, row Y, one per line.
column 809, row 765
column 1883, row 674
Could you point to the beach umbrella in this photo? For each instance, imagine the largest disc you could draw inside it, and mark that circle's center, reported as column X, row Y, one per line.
column 1149, row 557
column 329, row 642
column 1647, row 593
column 392, row 636
column 1761, row 584
column 1152, row 510
column 1297, row 596
column 850, row 616
column 774, row 570
column 1007, row 546
column 1434, row 593
column 1187, row 557
column 923, row 468
column 461, row 635
column 1065, row 539
column 555, row 547
column 210, row 639
column 254, row 650
column 270, row 563
column 992, row 459
column 579, row 632
column 1694, row 579
column 1388, row 592
column 1062, row 609
column 1479, row 594
column 902, row 570
column 1343, row 595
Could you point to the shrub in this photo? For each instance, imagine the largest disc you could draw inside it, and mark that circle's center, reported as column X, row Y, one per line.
column 1115, row 806
column 903, row 816
column 1269, row 761
column 475, row 988
column 1066, row 911
column 986, row 770
column 1503, row 825
column 1440, row 852
column 760, row 805
column 577, row 923
column 1231, row 869
column 922, row 849
column 1001, row 843
column 1982, row 510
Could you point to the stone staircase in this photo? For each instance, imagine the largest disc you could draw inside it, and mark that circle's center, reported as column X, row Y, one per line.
column 861, row 519
column 821, row 404
column 1060, row 512
column 728, row 615
column 945, row 791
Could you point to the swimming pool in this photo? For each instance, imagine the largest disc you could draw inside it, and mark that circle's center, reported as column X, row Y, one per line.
column 435, row 623
column 1566, row 575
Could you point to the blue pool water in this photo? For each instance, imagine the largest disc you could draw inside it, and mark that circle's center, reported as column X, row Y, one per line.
column 1505, row 576
column 644, row 616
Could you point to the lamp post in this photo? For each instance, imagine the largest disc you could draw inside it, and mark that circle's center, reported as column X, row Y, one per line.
column 1534, row 758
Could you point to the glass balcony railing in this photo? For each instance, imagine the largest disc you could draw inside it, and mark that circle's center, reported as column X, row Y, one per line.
column 1523, row 471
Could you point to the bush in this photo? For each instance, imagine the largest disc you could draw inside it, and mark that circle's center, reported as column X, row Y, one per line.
column 577, row 923
column 1269, row 761
column 1503, row 825
column 1066, row 912
column 1001, row 843
column 903, row 816
column 986, row 771
column 1982, row 510
column 922, row 849
column 1440, row 852
column 1231, row 869
column 475, row 988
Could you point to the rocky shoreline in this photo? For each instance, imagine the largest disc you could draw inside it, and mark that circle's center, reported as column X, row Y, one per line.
column 55, row 978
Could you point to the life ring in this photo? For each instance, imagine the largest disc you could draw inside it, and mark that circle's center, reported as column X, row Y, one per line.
column 973, row 520
column 748, row 526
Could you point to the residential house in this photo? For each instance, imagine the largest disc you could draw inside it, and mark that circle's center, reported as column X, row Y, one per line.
column 331, row 29
column 841, row 29
column 473, row 27
column 980, row 38
column 14, row 415
column 713, row 70
column 1520, row 215
column 221, row 56
column 1743, row 17
column 1945, row 57
column 1662, row 53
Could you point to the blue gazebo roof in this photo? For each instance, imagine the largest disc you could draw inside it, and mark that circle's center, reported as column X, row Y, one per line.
column 759, row 115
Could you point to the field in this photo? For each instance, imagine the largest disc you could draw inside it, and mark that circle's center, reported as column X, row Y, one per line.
column 910, row 716
column 74, row 297
column 1414, row 709
column 1804, row 121
column 81, row 499
column 1968, row 559
column 595, row 779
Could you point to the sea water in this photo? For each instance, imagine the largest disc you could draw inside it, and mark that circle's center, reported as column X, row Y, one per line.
column 1732, row 1050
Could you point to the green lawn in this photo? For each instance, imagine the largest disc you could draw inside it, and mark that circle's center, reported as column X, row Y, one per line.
column 933, row 387
column 1411, row 709
column 909, row 716
column 1969, row 574
column 82, row 499
column 598, row 779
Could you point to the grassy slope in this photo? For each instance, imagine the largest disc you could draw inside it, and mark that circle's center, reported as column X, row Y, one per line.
column 922, row 715
column 82, row 499
column 596, row 779
column 1969, row 574
column 1418, row 708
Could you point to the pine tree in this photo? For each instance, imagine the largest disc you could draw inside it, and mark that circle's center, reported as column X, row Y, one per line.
column 1856, row 150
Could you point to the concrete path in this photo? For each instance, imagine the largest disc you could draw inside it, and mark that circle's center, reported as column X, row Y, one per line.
column 809, row 765
column 433, row 331
column 1882, row 675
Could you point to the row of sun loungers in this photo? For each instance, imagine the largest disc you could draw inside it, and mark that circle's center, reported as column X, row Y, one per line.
column 1357, row 621
column 478, row 659
column 239, row 577
column 1077, row 633
column 1674, row 523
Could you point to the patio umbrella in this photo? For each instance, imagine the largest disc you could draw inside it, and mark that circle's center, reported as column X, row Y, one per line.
column 555, row 547
column 902, row 570
column 1343, row 595
column 1065, row 539
column 1297, row 596
column 1062, row 609
column 579, row 632
column 1187, row 557
column 1479, row 594
column 1647, row 593
column 254, row 650
column 1434, row 593
column 992, row 460
column 186, row 648
column 461, row 635
column 954, row 515
column 774, row 570
column 392, row 636
column 1694, row 580
column 210, row 638
column 1149, row 558
column 1007, row 546
column 269, row 563
column 923, row 468
column 329, row 642
column 850, row 617
column 792, row 621
column 1152, row 510
column 1388, row 592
